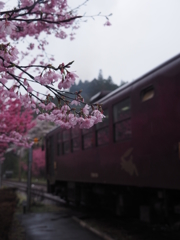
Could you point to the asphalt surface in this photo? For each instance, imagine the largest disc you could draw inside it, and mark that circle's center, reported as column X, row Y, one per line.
column 54, row 226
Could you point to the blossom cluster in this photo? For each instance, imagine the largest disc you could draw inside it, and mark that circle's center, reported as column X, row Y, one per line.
column 31, row 18
column 14, row 122
column 38, row 164
column 65, row 119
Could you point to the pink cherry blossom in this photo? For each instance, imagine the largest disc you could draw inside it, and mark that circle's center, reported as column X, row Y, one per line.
column 7, row 27
column 36, row 19
column 29, row 89
column 86, row 123
column 86, row 110
column 67, row 81
column 75, row 102
column 1, row 5
column 31, row 46
column 107, row 23
column 98, row 115
column 14, row 122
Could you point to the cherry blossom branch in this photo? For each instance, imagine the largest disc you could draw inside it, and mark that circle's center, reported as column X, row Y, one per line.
column 31, row 18
column 21, row 9
column 40, row 20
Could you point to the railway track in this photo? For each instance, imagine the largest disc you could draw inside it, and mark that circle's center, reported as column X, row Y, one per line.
column 39, row 190
column 23, row 185
column 107, row 226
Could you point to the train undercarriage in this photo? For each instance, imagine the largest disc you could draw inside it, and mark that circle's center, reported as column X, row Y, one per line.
column 147, row 204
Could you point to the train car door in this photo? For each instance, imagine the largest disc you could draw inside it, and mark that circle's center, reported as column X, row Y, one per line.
column 144, row 107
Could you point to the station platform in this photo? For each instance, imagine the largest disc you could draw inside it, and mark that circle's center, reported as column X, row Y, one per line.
column 54, row 226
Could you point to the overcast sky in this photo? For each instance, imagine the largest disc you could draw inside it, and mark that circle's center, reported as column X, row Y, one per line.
column 144, row 34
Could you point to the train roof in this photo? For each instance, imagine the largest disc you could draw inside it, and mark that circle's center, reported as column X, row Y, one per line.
column 157, row 69
column 99, row 95
column 53, row 130
column 160, row 67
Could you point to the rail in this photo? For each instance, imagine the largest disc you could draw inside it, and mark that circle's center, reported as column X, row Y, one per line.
column 39, row 190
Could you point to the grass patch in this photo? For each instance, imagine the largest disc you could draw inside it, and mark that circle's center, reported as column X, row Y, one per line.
column 44, row 208
column 33, row 180
column 36, row 205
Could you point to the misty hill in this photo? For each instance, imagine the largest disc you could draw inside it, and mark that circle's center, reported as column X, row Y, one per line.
column 90, row 88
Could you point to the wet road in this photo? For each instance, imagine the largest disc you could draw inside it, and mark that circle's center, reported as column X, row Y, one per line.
column 54, row 226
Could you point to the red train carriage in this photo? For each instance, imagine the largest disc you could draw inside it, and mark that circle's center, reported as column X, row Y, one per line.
column 130, row 158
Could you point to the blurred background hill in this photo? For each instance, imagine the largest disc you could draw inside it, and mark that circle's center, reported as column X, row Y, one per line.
column 90, row 88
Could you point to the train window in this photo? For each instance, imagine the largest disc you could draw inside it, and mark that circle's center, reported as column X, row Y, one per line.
column 66, row 135
column 88, row 140
column 50, row 155
column 122, row 130
column 66, row 147
column 75, row 141
column 75, row 132
column 102, row 136
column 84, row 131
column 66, row 142
column 76, row 145
column 147, row 93
column 122, row 110
column 122, row 121
column 58, row 149
column 59, row 137
column 105, row 120
column 102, row 130
column 58, row 146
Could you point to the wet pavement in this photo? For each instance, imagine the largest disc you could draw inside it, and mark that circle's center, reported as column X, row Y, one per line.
column 54, row 226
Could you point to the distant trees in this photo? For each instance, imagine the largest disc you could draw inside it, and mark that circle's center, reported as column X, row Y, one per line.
column 90, row 88
column 122, row 83
column 100, row 76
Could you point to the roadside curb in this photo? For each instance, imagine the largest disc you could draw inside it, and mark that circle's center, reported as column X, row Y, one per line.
column 85, row 225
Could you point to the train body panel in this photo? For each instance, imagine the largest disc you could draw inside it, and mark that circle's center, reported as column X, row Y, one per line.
column 137, row 145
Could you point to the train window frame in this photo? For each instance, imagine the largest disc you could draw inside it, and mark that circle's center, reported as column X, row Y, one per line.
column 103, row 126
column 50, row 154
column 58, row 145
column 85, row 134
column 127, row 134
column 67, row 137
column 147, row 93
column 126, row 109
column 66, row 140
column 122, row 119
column 75, row 137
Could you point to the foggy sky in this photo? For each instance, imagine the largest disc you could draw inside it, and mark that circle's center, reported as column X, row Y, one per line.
column 144, row 34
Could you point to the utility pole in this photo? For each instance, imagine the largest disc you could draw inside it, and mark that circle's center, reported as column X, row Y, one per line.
column 29, row 179
column 19, row 161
